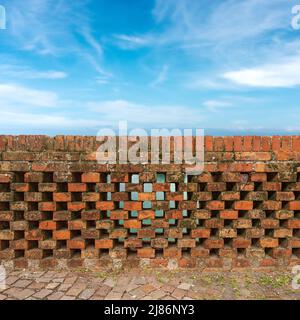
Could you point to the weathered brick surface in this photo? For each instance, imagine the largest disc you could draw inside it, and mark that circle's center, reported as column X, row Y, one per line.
column 58, row 205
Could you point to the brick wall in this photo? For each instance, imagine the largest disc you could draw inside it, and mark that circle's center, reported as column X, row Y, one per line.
column 59, row 208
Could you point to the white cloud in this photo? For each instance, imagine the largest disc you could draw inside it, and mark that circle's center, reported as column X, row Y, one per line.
column 146, row 115
column 162, row 76
column 54, row 28
column 284, row 74
column 12, row 95
column 19, row 72
column 128, row 42
column 215, row 105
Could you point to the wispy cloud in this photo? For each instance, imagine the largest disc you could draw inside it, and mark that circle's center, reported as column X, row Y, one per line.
column 161, row 77
column 14, row 95
column 22, row 72
column 283, row 74
column 153, row 116
column 55, row 28
column 216, row 105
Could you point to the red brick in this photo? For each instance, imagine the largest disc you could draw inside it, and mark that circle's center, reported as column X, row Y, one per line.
column 105, row 205
column 76, row 187
column 132, row 224
column 243, row 205
column 104, row 244
column 146, row 253
column 90, row 177
column 132, row 206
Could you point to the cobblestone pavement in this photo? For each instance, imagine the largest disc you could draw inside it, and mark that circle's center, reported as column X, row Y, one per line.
column 148, row 285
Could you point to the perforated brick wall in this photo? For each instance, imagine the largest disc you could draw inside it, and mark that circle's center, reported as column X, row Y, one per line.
column 60, row 208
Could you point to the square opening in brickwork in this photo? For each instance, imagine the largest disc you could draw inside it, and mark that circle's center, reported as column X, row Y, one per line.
column 286, row 186
column 160, row 196
column 214, row 232
column 296, row 252
column 160, row 178
column 228, row 223
column 18, row 196
column 272, row 176
column 147, row 204
column 268, row 252
column 135, row 178
column 90, row 205
column 297, row 195
column 269, row 233
column 104, row 252
column 61, row 206
column 270, row 214
column 4, row 206
column 272, row 195
column 33, row 206
column 33, row 244
column 76, row 177
column 75, row 253
column 231, row 186
column 18, row 215
column 283, row 223
column 173, row 187
column 19, row 254
column 227, row 243
column 76, row 196
column 89, row 243
column 62, row 187
column 229, row 205
column 91, row 187
column 47, row 196
column 47, row 234
column 241, row 252
column 121, row 187
column 216, row 195
column 75, row 215
column 255, row 242
column 4, row 187
column 214, row 252
column 296, row 233
column 257, row 204
column 19, row 234
column 61, row 225
column 19, row 177
column 75, row 234
column 285, row 205
column 255, row 223
column 47, row 253
column 244, row 195
column 33, row 225
column 48, row 177
column 47, row 215
column 91, row 224
column 4, row 244
column 217, row 176
column 147, row 187
column 283, row 242
column 4, row 225
column 61, row 244
column 202, row 187
column 33, row 187
column 258, row 186
column 241, row 232
column 134, row 196
column 242, row 214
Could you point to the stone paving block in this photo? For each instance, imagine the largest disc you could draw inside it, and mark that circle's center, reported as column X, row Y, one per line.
column 113, row 296
column 86, row 294
column 42, row 294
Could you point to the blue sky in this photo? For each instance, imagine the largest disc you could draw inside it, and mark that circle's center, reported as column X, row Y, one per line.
column 74, row 67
